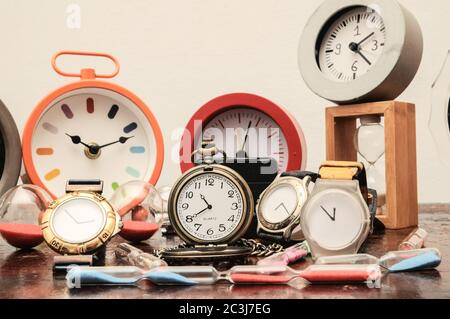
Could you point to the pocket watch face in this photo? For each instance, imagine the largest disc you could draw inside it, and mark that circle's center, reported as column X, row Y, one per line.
column 248, row 131
column 334, row 219
column 351, row 43
column 93, row 133
column 210, row 207
column 280, row 203
column 78, row 220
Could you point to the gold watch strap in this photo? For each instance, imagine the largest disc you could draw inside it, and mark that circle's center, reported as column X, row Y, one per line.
column 86, row 185
column 345, row 170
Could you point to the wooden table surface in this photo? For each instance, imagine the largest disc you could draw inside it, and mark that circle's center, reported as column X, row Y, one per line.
column 28, row 274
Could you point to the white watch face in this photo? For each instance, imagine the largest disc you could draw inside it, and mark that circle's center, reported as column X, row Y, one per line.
column 334, row 219
column 210, row 207
column 280, row 203
column 352, row 44
column 95, row 117
column 250, row 131
column 78, row 220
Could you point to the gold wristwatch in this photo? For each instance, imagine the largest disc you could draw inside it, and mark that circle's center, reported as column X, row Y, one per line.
column 80, row 222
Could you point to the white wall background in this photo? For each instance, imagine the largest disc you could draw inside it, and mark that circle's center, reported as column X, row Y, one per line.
column 178, row 54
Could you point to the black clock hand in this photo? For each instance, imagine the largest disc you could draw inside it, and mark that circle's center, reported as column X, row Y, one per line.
column 204, row 209
column 364, row 40
column 364, row 57
column 204, row 199
column 77, row 140
column 282, row 205
column 121, row 140
column 246, row 135
column 333, row 218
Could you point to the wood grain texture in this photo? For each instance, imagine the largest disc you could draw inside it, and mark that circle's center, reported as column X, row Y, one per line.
column 27, row 274
column 400, row 153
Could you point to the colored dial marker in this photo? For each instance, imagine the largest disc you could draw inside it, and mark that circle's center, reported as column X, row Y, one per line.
column 115, row 186
column 137, row 149
column 44, row 151
column 67, row 111
column 132, row 172
column 130, row 127
column 113, row 111
column 90, row 105
column 50, row 128
column 52, row 174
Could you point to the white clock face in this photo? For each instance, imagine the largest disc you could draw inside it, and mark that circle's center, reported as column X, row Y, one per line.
column 352, row 44
column 334, row 219
column 96, row 118
column 242, row 129
column 210, row 207
column 78, row 220
column 280, row 203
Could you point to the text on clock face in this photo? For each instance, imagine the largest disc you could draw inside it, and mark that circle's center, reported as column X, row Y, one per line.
column 210, row 206
column 352, row 44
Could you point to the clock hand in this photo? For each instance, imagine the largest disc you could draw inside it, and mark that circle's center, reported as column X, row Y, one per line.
column 364, row 57
column 365, row 39
column 121, row 140
column 195, row 215
column 334, row 213
column 204, row 199
column 70, row 215
column 77, row 140
column 246, row 135
column 356, row 47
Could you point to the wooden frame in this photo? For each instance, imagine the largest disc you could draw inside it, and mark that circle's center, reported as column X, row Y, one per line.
column 400, row 153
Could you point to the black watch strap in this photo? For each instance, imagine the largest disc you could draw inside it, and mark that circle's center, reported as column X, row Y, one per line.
column 301, row 174
column 271, row 237
column 87, row 185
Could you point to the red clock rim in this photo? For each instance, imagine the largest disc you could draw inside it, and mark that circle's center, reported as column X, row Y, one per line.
column 43, row 104
column 287, row 123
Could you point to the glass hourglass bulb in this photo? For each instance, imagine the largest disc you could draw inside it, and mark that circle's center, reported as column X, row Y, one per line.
column 369, row 142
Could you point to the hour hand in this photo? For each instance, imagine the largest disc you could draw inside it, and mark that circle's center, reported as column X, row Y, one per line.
column 206, row 202
column 332, row 217
column 76, row 139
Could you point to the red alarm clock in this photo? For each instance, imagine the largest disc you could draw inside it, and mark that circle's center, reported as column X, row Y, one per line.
column 243, row 123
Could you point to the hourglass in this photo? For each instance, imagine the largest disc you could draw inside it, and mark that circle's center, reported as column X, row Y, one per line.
column 386, row 134
column 369, row 142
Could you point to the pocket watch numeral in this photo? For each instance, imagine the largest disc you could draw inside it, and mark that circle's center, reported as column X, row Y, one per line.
column 222, row 228
column 210, row 232
column 231, row 219
column 185, row 206
column 234, row 206
column 231, row 194
column 189, row 219
column 189, row 194
column 197, row 226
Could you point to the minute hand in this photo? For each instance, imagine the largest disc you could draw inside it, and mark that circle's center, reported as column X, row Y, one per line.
column 365, row 39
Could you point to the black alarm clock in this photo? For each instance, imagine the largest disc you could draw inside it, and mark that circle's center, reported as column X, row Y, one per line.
column 10, row 150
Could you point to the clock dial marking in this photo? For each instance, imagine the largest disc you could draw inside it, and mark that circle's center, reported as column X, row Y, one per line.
column 67, row 111
column 113, row 111
column 132, row 172
column 114, row 186
column 137, row 149
column 90, row 105
column 50, row 128
column 130, row 127
column 44, row 151
column 52, row 174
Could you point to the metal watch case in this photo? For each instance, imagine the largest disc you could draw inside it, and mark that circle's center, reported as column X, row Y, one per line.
column 352, row 188
column 243, row 187
column 112, row 226
column 289, row 228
